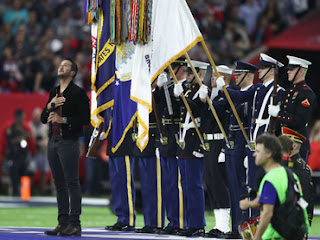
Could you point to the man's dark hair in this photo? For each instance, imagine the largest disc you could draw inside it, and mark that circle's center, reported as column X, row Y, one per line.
column 271, row 144
column 74, row 66
column 18, row 113
column 286, row 143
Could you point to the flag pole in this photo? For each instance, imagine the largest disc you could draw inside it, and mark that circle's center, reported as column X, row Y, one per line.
column 208, row 99
column 225, row 92
column 188, row 107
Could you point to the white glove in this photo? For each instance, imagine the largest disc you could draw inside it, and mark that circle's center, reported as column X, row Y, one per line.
column 162, row 79
column 221, row 157
column 178, row 89
column 273, row 110
column 220, row 83
column 203, row 92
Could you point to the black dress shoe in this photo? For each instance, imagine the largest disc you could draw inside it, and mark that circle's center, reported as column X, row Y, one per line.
column 169, row 230
column 190, row 232
column 119, row 226
column 214, row 233
column 147, row 229
column 71, row 231
column 56, row 231
column 232, row 235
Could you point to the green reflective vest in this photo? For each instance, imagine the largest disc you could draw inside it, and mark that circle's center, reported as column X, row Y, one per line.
column 279, row 180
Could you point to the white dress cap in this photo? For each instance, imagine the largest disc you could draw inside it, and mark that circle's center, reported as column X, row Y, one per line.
column 298, row 61
column 198, row 64
column 267, row 60
column 224, row 69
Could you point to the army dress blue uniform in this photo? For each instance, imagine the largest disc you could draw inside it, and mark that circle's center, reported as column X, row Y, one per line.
column 150, row 180
column 122, row 183
column 168, row 146
column 190, row 161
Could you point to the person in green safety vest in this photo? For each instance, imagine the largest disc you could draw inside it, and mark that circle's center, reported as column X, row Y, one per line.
column 273, row 187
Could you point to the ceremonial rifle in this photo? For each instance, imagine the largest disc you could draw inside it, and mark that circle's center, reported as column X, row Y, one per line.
column 95, row 142
column 157, row 118
column 274, row 98
column 169, row 106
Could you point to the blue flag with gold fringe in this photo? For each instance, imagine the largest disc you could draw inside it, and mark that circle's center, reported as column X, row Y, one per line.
column 103, row 80
column 124, row 109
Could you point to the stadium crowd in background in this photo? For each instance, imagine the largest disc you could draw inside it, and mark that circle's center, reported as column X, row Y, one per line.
column 36, row 35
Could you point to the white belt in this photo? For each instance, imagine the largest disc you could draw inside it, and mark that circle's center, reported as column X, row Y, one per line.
column 236, row 128
column 262, row 121
column 190, row 124
column 215, row 136
column 197, row 154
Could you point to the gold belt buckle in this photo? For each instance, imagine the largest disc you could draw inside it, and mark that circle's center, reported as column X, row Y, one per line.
column 206, row 147
column 231, row 143
column 134, row 136
column 181, row 144
column 164, row 140
column 252, row 146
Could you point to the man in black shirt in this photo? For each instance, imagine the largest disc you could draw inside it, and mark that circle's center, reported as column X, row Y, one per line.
column 66, row 111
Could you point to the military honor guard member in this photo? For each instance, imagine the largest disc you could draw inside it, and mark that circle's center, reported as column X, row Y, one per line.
column 190, row 154
column 122, row 183
column 215, row 178
column 236, row 160
column 235, row 151
column 299, row 167
column 150, row 180
column 260, row 96
column 169, row 109
column 296, row 105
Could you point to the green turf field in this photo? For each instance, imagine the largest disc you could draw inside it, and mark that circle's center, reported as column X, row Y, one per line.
column 91, row 217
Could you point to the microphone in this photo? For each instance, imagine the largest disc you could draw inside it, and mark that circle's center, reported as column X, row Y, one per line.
column 52, row 106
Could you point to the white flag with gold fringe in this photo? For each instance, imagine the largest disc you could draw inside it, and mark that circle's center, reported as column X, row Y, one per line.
column 173, row 32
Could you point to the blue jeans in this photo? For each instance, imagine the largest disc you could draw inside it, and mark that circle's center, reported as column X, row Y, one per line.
column 63, row 157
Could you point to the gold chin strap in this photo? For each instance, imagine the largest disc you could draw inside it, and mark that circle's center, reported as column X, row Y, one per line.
column 164, row 140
